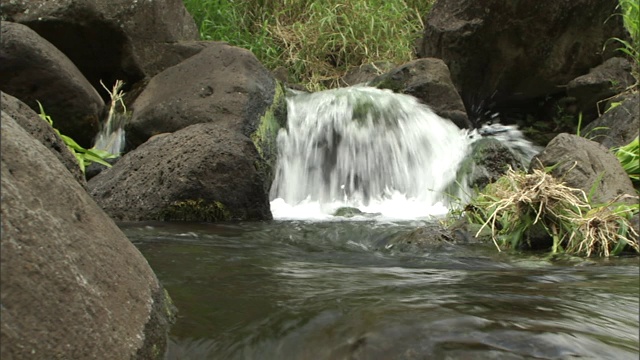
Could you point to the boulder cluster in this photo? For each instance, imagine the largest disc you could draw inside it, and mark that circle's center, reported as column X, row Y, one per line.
column 202, row 120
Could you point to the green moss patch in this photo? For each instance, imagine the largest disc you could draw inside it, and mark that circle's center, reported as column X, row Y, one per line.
column 266, row 134
column 195, row 210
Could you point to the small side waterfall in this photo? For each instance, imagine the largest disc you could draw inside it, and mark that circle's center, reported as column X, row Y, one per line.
column 366, row 148
column 111, row 137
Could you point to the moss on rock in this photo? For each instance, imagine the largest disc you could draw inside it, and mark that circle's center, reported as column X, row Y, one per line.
column 265, row 136
column 195, row 210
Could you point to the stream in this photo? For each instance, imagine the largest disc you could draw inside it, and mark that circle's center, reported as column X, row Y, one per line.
column 312, row 285
column 327, row 290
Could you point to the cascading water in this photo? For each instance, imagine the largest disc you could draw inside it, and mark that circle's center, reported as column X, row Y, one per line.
column 111, row 137
column 374, row 150
column 365, row 148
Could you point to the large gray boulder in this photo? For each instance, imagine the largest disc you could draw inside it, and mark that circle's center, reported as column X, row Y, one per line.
column 43, row 132
column 221, row 84
column 73, row 286
column 111, row 40
column 205, row 172
column 32, row 69
column 580, row 163
column 430, row 82
column 505, row 51
column 618, row 125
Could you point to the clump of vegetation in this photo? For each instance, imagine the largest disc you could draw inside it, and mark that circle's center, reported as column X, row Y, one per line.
column 630, row 12
column 519, row 203
column 629, row 156
column 84, row 156
column 318, row 41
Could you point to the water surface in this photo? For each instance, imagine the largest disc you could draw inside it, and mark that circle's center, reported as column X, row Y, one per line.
column 329, row 290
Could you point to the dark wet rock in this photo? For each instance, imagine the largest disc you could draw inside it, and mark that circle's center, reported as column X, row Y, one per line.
column 580, row 163
column 32, row 69
column 504, row 51
column 429, row 81
column 73, row 285
column 601, row 83
column 41, row 131
column 618, row 125
column 488, row 160
column 96, row 168
column 221, row 84
column 422, row 239
column 365, row 73
column 205, row 172
column 111, row 40
column 349, row 212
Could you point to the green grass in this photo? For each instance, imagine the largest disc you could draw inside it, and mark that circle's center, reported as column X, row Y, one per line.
column 630, row 12
column 316, row 41
column 629, row 156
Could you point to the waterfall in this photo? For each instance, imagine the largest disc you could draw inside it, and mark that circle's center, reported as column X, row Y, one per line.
column 365, row 148
column 111, row 137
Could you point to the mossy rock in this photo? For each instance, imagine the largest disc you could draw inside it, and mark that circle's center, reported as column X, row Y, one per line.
column 195, row 210
column 347, row 212
column 266, row 134
column 488, row 161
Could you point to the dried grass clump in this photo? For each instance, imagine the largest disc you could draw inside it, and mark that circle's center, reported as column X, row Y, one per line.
column 518, row 201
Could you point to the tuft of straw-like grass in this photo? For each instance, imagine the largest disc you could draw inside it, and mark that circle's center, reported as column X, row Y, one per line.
column 518, row 202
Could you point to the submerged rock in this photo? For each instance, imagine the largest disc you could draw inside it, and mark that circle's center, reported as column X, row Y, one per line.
column 426, row 238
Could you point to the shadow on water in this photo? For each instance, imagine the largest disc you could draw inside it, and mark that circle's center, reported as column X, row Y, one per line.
column 298, row 290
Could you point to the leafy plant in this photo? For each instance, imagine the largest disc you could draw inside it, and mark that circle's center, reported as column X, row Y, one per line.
column 629, row 156
column 84, row 156
column 630, row 12
column 520, row 203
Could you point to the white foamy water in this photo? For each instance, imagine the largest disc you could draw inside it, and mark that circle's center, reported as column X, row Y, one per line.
column 371, row 149
column 111, row 137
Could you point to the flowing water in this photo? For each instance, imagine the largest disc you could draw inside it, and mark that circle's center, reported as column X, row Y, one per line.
column 310, row 285
column 327, row 290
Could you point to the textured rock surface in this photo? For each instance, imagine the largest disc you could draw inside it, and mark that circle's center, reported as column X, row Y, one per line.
column 581, row 163
column 110, row 39
column 428, row 80
column 41, row 131
column 73, row 286
column 504, row 51
column 221, row 84
column 204, row 172
column 601, row 83
column 32, row 69
column 618, row 126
